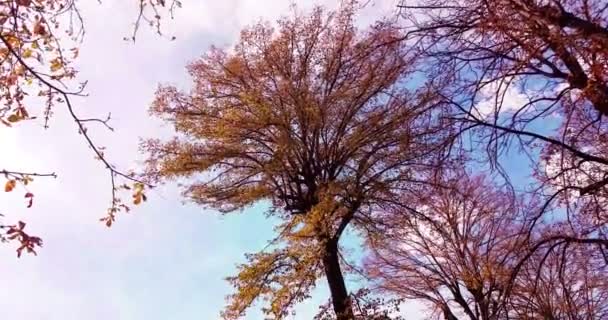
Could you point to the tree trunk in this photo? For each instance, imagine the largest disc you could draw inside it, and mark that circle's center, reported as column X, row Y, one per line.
column 339, row 296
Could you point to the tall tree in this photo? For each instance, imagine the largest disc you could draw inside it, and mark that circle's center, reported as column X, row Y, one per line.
column 458, row 247
column 451, row 246
column 528, row 76
column 39, row 41
column 561, row 284
column 313, row 116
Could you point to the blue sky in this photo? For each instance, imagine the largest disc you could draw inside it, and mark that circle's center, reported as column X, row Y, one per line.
column 167, row 259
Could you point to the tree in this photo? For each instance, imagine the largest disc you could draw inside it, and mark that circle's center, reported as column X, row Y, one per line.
column 452, row 246
column 459, row 248
column 561, row 284
column 528, row 76
column 314, row 117
column 39, row 41
column 561, row 43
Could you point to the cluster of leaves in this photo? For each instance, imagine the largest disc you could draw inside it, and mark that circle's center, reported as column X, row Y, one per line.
column 368, row 306
column 17, row 233
column 283, row 277
column 32, row 54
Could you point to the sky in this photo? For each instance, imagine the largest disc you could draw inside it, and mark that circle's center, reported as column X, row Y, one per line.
column 167, row 259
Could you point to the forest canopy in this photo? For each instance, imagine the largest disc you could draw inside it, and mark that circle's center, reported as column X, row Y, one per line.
column 461, row 144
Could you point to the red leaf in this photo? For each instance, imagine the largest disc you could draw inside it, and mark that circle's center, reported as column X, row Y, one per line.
column 31, row 197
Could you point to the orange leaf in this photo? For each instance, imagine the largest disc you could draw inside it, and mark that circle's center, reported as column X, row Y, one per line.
column 14, row 118
column 137, row 198
column 10, row 185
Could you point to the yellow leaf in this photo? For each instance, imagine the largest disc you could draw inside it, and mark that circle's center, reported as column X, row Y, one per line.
column 10, row 185
column 14, row 118
column 56, row 64
column 139, row 187
column 35, row 45
column 27, row 53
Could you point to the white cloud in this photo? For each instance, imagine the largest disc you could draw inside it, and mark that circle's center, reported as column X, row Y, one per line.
column 502, row 97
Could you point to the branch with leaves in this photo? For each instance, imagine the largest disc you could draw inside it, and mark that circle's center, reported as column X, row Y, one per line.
column 35, row 63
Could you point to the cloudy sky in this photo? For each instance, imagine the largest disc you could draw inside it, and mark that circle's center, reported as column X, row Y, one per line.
column 167, row 259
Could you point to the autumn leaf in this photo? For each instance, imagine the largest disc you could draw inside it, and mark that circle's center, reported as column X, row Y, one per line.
column 137, row 199
column 13, row 41
column 75, row 52
column 27, row 179
column 14, row 118
column 30, row 197
column 138, row 194
column 108, row 220
column 138, row 186
column 39, row 28
column 10, row 185
column 56, row 64
column 27, row 53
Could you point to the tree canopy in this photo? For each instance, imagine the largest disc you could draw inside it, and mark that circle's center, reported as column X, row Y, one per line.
column 313, row 116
